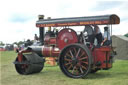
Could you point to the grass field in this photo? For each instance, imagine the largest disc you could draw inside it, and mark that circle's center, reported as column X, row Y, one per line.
column 118, row 75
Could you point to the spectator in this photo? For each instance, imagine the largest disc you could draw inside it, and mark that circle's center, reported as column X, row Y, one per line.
column 36, row 37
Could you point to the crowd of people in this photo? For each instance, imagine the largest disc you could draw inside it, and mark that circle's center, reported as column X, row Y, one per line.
column 93, row 31
column 29, row 42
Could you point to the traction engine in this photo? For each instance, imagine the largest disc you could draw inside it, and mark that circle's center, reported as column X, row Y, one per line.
column 75, row 58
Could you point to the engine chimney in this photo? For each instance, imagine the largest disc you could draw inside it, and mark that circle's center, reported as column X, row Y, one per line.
column 41, row 30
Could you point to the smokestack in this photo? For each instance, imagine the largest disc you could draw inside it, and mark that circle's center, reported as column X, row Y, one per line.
column 41, row 30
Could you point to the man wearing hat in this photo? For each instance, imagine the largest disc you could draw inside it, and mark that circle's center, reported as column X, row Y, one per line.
column 107, row 39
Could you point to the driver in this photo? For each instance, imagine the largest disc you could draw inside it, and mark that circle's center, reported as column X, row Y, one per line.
column 107, row 39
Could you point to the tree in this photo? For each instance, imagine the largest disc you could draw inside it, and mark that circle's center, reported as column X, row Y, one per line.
column 19, row 43
column 126, row 35
column 1, row 43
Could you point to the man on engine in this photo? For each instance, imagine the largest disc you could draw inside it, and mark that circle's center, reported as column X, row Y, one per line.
column 90, row 33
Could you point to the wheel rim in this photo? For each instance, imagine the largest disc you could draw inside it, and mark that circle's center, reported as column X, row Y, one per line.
column 74, row 62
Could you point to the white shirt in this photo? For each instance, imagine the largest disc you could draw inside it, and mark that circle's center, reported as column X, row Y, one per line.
column 107, row 34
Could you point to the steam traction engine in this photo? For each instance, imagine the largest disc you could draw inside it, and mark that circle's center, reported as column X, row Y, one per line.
column 76, row 58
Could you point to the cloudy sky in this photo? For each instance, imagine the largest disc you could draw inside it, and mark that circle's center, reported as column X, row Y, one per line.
column 18, row 17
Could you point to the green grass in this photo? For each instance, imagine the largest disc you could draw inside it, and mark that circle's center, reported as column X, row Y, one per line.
column 118, row 75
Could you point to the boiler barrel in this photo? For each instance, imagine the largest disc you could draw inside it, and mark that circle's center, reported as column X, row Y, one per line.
column 46, row 51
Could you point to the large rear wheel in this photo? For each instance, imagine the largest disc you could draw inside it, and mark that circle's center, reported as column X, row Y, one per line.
column 75, row 61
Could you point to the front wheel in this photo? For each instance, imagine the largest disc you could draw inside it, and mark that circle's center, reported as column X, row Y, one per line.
column 75, row 61
column 31, row 63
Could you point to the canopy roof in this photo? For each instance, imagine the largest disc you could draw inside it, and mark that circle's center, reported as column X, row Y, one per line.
column 79, row 21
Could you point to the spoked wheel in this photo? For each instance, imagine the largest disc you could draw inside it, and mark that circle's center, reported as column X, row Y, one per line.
column 27, row 66
column 75, row 61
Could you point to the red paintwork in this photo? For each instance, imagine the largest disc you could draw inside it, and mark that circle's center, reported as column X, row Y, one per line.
column 20, row 57
column 49, row 40
column 102, row 54
column 50, row 51
column 20, row 54
column 46, row 39
column 52, row 41
column 66, row 37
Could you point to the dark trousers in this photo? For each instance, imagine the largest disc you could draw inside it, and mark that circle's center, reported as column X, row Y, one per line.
column 107, row 43
column 91, row 38
column 99, row 38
